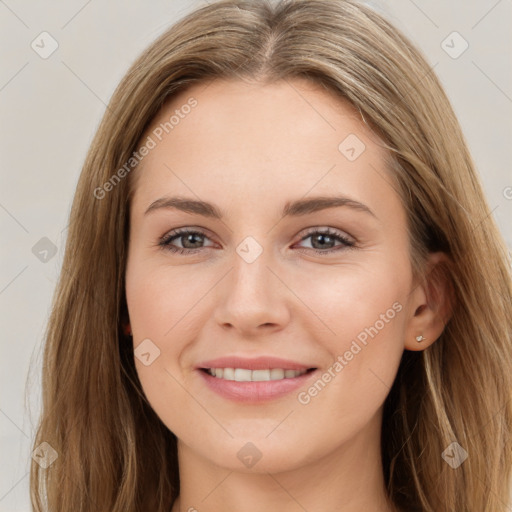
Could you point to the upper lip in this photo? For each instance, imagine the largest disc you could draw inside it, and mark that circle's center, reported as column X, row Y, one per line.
column 255, row 363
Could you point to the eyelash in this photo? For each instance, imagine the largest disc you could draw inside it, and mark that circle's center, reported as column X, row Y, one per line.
column 165, row 241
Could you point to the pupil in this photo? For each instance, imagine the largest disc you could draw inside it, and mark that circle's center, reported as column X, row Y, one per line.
column 190, row 238
column 323, row 236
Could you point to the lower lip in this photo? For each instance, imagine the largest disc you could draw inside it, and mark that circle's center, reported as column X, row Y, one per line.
column 254, row 391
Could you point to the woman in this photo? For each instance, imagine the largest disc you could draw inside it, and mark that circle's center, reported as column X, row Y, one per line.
column 282, row 287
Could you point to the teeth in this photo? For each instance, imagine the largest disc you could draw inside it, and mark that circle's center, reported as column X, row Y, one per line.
column 276, row 374
column 226, row 373
column 244, row 375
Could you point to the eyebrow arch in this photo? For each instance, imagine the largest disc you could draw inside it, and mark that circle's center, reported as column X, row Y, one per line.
column 291, row 208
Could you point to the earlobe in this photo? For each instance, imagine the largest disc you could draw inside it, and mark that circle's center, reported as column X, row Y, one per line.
column 127, row 329
column 433, row 304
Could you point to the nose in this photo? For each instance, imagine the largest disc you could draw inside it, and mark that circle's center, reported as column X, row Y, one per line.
column 252, row 299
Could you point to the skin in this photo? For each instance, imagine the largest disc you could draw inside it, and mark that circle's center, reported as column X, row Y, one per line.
column 248, row 148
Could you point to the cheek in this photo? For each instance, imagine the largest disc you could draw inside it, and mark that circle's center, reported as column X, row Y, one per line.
column 164, row 306
column 158, row 300
column 158, row 297
column 362, row 311
column 351, row 299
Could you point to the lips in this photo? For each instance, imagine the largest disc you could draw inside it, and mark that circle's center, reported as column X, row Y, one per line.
column 250, row 384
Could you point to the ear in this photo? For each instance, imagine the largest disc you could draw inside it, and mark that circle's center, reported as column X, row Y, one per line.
column 432, row 303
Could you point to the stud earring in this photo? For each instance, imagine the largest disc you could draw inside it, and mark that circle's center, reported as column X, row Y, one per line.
column 420, row 338
column 127, row 329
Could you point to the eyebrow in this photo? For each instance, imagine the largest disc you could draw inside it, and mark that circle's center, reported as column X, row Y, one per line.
column 291, row 208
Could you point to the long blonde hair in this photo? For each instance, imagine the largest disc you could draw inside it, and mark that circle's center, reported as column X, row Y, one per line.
column 114, row 453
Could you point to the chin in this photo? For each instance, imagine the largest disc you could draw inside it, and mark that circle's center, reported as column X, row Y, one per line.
column 257, row 454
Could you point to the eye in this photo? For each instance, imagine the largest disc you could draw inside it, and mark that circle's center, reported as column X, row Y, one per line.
column 192, row 241
column 189, row 241
column 323, row 240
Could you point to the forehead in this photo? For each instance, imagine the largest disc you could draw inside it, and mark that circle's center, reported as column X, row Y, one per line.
column 260, row 142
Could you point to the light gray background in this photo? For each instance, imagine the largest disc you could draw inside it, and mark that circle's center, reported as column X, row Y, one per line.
column 51, row 109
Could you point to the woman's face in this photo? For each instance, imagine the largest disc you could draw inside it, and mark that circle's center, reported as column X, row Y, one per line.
column 263, row 280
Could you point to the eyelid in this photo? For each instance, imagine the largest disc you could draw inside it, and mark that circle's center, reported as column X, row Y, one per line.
column 178, row 232
column 327, row 230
